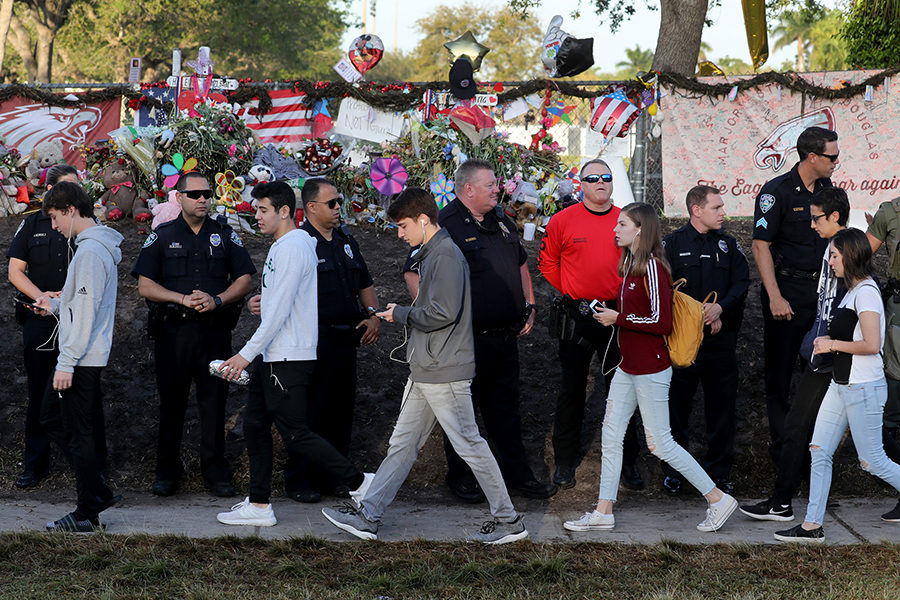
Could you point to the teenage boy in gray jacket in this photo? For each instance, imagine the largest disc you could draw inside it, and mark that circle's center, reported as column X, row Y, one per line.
column 441, row 360
column 86, row 311
column 283, row 353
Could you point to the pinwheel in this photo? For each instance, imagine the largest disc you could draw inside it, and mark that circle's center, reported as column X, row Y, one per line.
column 560, row 112
column 442, row 188
column 388, row 176
column 229, row 187
column 179, row 167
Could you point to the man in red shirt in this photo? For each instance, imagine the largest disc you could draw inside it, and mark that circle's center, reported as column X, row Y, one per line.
column 579, row 258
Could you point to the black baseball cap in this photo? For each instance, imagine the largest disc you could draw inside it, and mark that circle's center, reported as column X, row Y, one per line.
column 462, row 81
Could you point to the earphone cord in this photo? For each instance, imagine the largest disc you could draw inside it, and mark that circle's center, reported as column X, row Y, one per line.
column 49, row 345
column 609, row 342
column 405, row 336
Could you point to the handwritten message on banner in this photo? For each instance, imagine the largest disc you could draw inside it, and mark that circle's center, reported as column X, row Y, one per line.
column 736, row 146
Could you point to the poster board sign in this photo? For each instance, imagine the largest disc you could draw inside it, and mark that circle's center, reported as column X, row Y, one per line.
column 736, row 146
column 359, row 120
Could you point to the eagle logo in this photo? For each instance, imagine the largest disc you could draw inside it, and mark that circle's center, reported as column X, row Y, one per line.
column 25, row 126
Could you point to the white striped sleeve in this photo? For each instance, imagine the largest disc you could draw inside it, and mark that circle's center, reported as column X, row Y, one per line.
column 653, row 295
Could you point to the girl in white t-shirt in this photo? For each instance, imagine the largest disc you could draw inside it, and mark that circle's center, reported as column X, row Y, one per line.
column 858, row 388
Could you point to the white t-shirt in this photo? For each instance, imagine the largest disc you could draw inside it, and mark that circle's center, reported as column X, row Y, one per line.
column 865, row 297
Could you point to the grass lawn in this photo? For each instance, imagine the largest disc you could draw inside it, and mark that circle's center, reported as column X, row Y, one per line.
column 63, row 566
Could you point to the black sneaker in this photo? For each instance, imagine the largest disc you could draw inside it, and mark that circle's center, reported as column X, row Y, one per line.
column 768, row 511
column 564, row 477
column 70, row 524
column 799, row 535
column 892, row 516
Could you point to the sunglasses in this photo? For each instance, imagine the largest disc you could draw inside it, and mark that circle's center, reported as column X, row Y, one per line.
column 331, row 203
column 831, row 157
column 197, row 194
column 605, row 178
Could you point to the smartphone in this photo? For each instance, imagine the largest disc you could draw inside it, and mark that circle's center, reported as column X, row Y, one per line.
column 28, row 304
column 596, row 305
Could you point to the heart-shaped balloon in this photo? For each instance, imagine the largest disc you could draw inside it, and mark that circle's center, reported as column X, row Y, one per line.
column 365, row 52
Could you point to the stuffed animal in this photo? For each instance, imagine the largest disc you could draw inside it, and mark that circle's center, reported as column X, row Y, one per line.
column 163, row 212
column 40, row 159
column 9, row 193
column 121, row 197
column 258, row 174
column 526, row 212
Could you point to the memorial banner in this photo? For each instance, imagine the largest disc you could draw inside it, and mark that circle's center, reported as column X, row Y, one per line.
column 737, row 145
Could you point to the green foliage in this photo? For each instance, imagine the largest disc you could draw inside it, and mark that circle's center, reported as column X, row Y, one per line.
column 815, row 32
column 872, row 37
column 638, row 59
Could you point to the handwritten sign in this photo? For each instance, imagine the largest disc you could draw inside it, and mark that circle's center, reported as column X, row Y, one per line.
column 346, row 70
column 358, row 119
column 218, row 83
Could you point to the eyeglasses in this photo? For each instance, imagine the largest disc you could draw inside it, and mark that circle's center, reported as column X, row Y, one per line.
column 605, row 178
column 197, row 194
column 831, row 157
column 338, row 201
column 815, row 218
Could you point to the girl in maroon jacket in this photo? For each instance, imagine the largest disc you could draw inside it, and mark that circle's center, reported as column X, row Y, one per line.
column 642, row 377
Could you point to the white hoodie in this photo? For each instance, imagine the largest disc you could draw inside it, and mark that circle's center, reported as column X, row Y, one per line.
column 87, row 305
column 289, row 309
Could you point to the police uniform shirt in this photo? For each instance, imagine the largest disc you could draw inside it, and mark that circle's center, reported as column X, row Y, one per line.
column 495, row 256
column 182, row 261
column 341, row 273
column 45, row 250
column 781, row 216
column 711, row 262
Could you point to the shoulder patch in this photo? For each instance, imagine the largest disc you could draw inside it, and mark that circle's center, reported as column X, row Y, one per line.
column 766, row 201
column 236, row 239
column 19, row 228
column 150, row 239
column 723, row 246
column 737, row 245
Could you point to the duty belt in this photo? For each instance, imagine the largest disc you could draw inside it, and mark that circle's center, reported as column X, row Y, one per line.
column 798, row 273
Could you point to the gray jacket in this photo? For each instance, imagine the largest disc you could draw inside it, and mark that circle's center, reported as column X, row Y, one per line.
column 87, row 305
column 441, row 345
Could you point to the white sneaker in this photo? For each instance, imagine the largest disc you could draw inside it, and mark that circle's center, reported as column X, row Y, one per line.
column 718, row 513
column 245, row 513
column 359, row 493
column 592, row 521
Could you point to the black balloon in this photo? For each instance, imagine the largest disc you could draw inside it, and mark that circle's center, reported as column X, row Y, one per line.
column 575, row 56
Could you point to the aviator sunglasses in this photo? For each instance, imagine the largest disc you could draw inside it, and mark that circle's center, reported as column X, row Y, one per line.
column 606, row 178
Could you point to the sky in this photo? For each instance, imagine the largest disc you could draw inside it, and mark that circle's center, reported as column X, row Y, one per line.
column 726, row 36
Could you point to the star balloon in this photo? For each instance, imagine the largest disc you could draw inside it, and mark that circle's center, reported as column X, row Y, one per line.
column 467, row 46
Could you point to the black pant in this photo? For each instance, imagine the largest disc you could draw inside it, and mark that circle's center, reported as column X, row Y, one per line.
column 716, row 370
column 184, row 349
column 495, row 391
column 799, row 422
column 278, row 394
column 68, row 418
column 575, row 360
column 782, row 341
column 329, row 413
column 40, row 362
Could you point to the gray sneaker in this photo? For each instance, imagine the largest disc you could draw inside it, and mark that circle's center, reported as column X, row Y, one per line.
column 498, row 532
column 351, row 520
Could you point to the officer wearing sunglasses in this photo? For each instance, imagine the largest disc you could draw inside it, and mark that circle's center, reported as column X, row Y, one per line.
column 788, row 254
column 194, row 272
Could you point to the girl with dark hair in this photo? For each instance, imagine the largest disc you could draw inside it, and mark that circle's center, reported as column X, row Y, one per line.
column 858, row 388
column 642, row 378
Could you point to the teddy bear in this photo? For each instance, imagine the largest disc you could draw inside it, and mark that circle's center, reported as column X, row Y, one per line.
column 37, row 162
column 163, row 212
column 121, row 197
column 258, row 174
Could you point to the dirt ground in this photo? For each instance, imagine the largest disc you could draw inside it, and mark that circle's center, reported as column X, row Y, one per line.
column 131, row 403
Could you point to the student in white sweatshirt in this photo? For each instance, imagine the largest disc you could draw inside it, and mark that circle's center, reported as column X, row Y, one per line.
column 86, row 311
column 283, row 353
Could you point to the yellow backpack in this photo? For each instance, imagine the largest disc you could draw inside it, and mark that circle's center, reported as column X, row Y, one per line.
column 687, row 326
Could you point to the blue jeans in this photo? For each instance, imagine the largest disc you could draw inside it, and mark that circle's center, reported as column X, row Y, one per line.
column 859, row 405
column 650, row 393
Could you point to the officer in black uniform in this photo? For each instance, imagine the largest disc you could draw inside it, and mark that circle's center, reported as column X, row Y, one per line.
column 709, row 261
column 38, row 263
column 502, row 311
column 347, row 298
column 788, row 254
column 194, row 272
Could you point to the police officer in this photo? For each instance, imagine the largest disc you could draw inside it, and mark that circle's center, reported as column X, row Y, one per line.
column 788, row 254
column 710, row 261
column 194, row 272
column 347, row 301
column 38, row 262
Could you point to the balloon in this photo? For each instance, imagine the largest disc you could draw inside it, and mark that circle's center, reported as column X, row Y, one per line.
column 467, row 46
column 564, row 55
column 365, row 52
column 552, row 41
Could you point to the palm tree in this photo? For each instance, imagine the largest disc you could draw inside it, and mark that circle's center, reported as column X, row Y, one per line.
column 638, row 60
column 795, row 26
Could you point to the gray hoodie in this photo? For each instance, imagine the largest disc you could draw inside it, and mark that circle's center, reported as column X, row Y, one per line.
column 87, row 305
column 441, row 345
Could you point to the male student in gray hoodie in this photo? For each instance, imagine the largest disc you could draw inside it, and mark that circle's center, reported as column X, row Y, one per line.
column 86, row 310
column 283, row 353
column 441, row 357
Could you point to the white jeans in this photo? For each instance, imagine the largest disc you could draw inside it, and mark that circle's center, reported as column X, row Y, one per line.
column 425, row 404
column 650, row 393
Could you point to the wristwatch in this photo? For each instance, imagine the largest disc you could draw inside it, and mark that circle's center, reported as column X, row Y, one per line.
column 218, row 301
column 529, row 307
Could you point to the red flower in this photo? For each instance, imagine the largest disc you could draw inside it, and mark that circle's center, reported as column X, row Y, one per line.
column 134, row 104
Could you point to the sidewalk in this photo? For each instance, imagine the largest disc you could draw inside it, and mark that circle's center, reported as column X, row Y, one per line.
column 638, row 520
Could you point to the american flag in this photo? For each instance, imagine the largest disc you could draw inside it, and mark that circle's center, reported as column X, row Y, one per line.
column 289, row 122
column 613, row 114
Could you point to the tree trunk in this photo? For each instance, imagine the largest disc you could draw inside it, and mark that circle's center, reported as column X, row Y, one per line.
column 21, row 41
column 43, row 52
column 801, row 61
column 6, row 11
column 680, row 30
